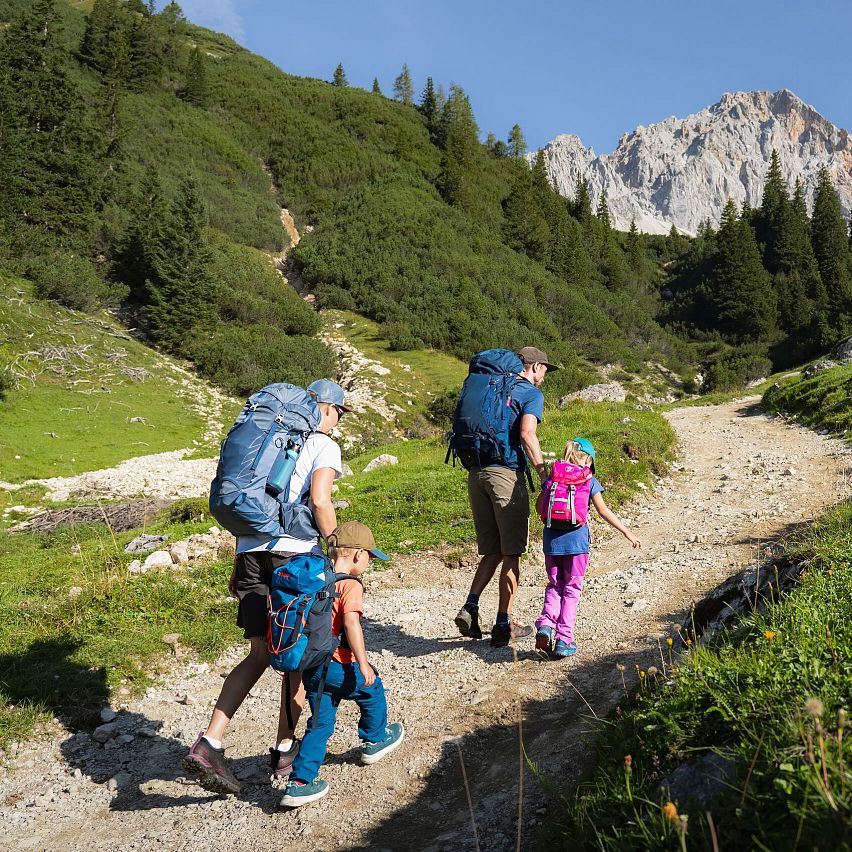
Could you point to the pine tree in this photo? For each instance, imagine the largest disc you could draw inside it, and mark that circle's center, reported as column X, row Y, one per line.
column 339, row 78
column 377, row 89
column 745, row 301
column 403, row 88
column 770, row 213
column 831, row 249
column 581, row 206
column 195, row 88
column 429, row 105
column 180, row 294
column 636, row 251
column 458, row 136
column 525, row 227
column 517, row 145
column 802, row 302
column 146, row 60
column 602, row 214
column 49, row 156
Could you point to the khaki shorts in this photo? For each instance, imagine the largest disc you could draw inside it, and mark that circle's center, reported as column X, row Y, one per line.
column 501, row 510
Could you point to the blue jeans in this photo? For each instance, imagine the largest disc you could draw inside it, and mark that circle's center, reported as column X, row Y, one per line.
column 343, row 681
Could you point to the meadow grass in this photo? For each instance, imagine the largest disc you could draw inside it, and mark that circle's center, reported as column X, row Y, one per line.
column 771, row 697
column 76, row 625
column 82, row 380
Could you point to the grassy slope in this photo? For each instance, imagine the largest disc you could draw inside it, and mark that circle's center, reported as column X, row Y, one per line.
column 89, row 409
column 823, row 400
column 772, row 695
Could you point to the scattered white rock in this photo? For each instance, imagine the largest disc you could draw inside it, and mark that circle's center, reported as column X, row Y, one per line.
column 384, row 460
column 158, row 559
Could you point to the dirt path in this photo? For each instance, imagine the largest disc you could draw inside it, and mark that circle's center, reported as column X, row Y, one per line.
column 743, row 478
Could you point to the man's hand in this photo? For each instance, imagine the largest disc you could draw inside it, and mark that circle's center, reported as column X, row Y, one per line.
column 232, row 583
column 367, row 673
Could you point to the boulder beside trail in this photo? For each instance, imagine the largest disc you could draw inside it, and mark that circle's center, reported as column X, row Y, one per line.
column 384, row 460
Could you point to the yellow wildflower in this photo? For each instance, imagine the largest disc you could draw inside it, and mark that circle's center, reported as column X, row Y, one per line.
column 669, row 641
column 769, row 634
column 670, row 812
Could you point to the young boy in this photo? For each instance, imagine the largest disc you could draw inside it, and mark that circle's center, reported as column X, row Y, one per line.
column 349, row 675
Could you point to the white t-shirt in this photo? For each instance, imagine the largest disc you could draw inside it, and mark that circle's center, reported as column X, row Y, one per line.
column 319, row 451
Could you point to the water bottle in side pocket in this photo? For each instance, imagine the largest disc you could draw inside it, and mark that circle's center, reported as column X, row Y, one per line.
column 282, row 469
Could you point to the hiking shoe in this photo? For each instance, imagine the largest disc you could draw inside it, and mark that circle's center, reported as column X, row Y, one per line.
column 467, row 622
column 210, row 768
column 501, row 635
column 544, row 640
column 282, row 761
column 564, row 649
column 300, row 793
column 374, row 752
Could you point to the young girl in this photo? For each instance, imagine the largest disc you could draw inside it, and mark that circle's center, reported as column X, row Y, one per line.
column 566, row 557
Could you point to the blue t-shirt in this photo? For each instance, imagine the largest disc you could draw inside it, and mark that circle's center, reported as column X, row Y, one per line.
column 569, row 542
column 526, row 398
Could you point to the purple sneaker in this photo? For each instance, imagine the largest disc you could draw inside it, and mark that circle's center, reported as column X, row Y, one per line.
column 210, row 768
column 282, row 761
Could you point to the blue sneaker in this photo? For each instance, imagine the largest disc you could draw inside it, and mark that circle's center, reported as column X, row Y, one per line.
column 374, row 752
column 300, row 793
column 544, row 640
column 564, row 649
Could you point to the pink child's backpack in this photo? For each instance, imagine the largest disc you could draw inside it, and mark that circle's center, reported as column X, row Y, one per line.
column 566, row 496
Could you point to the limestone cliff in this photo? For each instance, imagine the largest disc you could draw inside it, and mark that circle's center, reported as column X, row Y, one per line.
column 682, row 171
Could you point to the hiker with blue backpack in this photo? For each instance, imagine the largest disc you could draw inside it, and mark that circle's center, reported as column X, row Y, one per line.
column 273, row 491
column 563, row 507
column 347, row 676
column 495, row 438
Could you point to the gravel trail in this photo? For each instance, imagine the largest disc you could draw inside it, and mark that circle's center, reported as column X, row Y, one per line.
column 742, row 479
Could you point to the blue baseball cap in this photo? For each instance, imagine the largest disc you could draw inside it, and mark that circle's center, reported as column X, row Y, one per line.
column 325, row 390
column 585, row 446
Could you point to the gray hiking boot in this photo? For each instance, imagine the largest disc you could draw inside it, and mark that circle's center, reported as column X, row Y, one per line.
column 467, row 622
column 282, row 761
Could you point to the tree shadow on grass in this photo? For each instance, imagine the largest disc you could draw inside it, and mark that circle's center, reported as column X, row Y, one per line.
column 45, row 675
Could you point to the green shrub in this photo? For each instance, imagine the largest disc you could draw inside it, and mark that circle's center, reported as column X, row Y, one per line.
column 73, row 281
column 7, row 382
column 735, row 367
column 441, row 409
column 242, row 360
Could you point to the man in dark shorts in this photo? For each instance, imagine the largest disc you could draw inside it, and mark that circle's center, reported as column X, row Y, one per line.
column 318, row 466
column 500, row 504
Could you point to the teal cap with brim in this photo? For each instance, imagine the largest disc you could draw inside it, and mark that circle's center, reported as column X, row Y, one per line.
column 379, row 554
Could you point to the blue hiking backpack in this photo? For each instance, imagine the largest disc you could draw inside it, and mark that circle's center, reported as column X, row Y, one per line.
column 299, row 636
column 480, row 435
column 276, row 419
column 301, row 596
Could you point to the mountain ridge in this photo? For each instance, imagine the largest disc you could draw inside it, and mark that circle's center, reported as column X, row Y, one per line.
column 682, row 171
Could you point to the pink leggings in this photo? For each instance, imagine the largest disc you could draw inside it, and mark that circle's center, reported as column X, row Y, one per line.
column 565, row 576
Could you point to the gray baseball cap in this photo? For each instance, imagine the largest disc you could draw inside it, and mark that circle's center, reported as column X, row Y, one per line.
column 325, row 390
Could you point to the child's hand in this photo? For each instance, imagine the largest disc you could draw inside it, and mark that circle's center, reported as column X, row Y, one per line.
column 632, row 539
column 367, row 673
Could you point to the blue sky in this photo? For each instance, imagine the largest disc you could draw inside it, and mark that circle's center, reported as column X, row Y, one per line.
column 594, row 69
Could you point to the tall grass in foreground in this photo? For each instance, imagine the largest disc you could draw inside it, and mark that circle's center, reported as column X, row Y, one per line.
column 771, row 699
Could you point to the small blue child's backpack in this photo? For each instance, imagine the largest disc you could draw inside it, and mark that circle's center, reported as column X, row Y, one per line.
column 277, row 418
column 480, row 435
column 301, row 596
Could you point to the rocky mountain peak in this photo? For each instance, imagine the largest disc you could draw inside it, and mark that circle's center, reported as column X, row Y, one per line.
column 682, row 171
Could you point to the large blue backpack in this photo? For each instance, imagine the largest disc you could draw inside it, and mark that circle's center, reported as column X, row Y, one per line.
column 301, row 596
column 481, row 422
column 276, row 418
